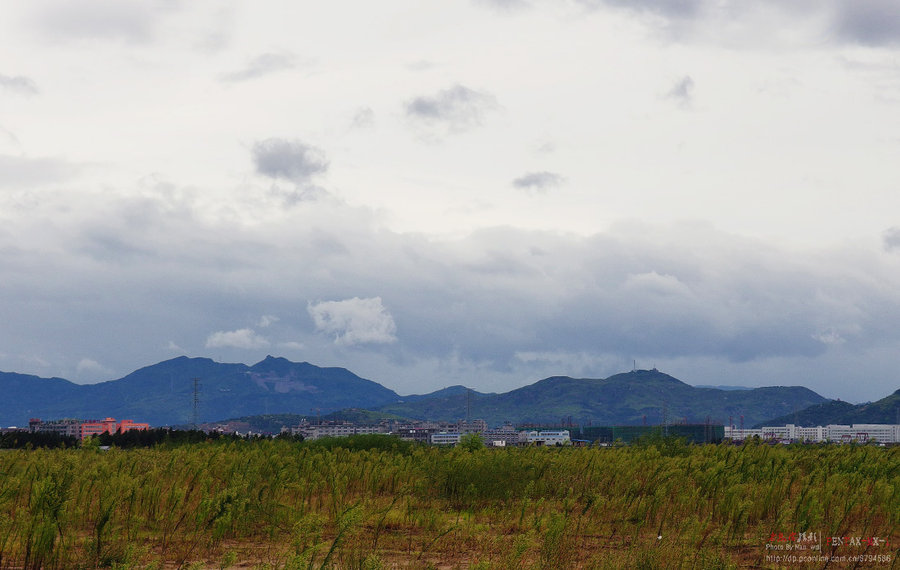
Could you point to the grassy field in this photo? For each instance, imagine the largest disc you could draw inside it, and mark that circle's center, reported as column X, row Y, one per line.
column 374, row 502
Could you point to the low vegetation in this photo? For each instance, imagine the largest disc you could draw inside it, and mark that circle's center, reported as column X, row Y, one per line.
column 373, row 502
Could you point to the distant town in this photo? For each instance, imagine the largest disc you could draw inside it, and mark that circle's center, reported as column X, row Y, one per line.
column 506, row 435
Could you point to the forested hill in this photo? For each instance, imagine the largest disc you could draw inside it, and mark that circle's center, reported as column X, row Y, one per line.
column 163, row 394
column 884, row 411
column 641, row 396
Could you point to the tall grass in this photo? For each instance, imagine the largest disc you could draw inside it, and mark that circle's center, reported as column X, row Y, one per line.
column 359, row 504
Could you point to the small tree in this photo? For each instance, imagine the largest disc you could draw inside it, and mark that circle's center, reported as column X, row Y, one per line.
column 471, row 442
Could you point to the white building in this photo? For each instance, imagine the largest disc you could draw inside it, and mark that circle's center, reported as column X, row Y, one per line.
column 811, row 434
column 881, row 433
column 548, row 437
column 445, row 438
column 739, row 434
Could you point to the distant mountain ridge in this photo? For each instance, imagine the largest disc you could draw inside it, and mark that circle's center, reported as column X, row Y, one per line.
column 630, row 398
column 883, row 411
column 162, row 394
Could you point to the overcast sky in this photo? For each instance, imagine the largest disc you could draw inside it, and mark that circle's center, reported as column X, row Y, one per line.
column 478, row 192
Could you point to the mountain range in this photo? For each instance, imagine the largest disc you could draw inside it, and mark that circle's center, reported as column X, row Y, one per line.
column 884, row 411
column 163, row 394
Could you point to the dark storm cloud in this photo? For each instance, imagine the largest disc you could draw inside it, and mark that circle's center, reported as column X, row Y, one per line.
column 22, row 172
column 869, row 22
column 261, row 65
column 538, row 181
column 288, row 159
column 458, row 107
column 18, row 84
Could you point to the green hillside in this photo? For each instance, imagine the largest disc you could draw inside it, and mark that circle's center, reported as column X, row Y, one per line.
column 883, row 411
column 629, row 398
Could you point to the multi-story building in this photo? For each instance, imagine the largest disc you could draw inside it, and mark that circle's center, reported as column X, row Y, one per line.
column 880, row 433
column 548, row 437
column 337, row 430
column 445, row 438
column 69, row 427
column 501, row 437
column 740, row 434
column 83, row 429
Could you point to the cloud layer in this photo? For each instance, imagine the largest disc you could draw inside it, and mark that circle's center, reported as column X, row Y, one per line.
column 510, row 304
column 483, row 192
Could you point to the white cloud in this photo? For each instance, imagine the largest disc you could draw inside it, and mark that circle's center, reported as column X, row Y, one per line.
column 241, row 338
column 91, row 370
column 354, row 321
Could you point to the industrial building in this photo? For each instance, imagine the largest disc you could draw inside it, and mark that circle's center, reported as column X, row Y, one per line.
column 860, row 433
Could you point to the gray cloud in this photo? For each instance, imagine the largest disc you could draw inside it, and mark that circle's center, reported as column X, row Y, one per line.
column 538, row 181
column 891, row 239
column 458, row 108
column 133, row 22
column 682, row 91
column 288, row 159
column 668, row 8
column 364, row 118
column 18, row 84
column 505, row 5
column 23, row 172
column 261, row 65
column 868, row 22
column 10, row 137
column 496, row 308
